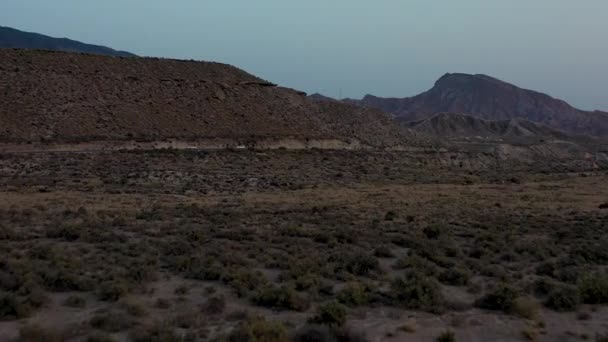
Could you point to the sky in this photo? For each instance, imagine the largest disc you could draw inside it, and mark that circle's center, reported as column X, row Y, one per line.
column 349, row 48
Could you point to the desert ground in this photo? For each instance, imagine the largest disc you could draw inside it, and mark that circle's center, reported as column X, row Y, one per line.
column 309, row 245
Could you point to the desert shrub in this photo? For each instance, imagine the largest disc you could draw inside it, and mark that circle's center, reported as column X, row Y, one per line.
column 601, row 337
column 214, row 305
column 151, row 214
column 563, row 298
column 62, row 279
column 181, row 290
column 501, row 298
column 66, row 232
column 314, row 333
column 383, row 252
column 133, row 308
column 110, row 321
column 525, row 307
column 543, row 287
column 140, row 272
column 319, row 333
column 307, row 281
column 6, row 233
column 417, row 264
column 13, row 307
column 349, row 335
column 112, row 290
column 162, row 303
column 390, row 216
column 283, row 297
column 594, row 288
column 455, row 277
column 432, row 232
column 36, row 333
column 155, row 333
column 434, row 253
column 32, row 295
column 100, row 337
column 243, row 281
column 74, row 301
column 446, row 336
column 530, row 334
column 361, row 264
column 355, row 294
column 417, row 291
column 197, row 268
column 332, row 314
column 257, row 329
column 592, row 253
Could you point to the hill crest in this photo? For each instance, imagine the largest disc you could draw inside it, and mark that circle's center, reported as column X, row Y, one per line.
column 17, row 39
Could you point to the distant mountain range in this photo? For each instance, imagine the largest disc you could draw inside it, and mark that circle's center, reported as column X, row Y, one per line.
column 12, row 38
column 490, row 99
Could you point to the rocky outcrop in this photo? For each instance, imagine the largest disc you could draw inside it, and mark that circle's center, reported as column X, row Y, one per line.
column 64, row 97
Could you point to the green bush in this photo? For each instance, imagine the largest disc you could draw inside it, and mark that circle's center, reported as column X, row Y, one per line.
column 244, row 281
column 14, row 307
column 100, row 337
column 383, row 252
column 257, row 329
column 594, row 288
column 155, row 333
column 355, row 294
column 112, row 290
column 502, row 298
column 214, row 305
column 454, row 277
column 361, row 264
column 432, row 232
column 332, row 314
column 417, row 264
column 563, row 298
column 75, row 302
column 110, row 321
column 390, row 216
column 446, row 336
column 283, row 297
column 417, row 291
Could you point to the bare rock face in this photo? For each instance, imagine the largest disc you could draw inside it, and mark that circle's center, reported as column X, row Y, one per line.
column 491, row 99
column 66, row 97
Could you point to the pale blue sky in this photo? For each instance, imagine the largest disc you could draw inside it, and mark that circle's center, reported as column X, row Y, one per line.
column 383, row 47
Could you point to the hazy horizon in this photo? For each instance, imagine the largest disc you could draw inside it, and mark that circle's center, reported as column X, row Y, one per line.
column 389, row 49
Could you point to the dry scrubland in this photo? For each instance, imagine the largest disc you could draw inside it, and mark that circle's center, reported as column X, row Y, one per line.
column 283, row 245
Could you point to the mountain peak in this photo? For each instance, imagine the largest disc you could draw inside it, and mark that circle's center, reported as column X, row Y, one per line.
column 450, row 79
column 489, row 98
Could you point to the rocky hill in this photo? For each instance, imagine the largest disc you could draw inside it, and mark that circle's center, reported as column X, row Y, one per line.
column 464, row 126
column 321, row 98
column 491, row 99
column 13, row 38
column 56, row 96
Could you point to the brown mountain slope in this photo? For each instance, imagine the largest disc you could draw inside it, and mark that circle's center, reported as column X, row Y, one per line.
column 459, row 126
column 491, row 99
column 56, row 96
column 320, row 97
